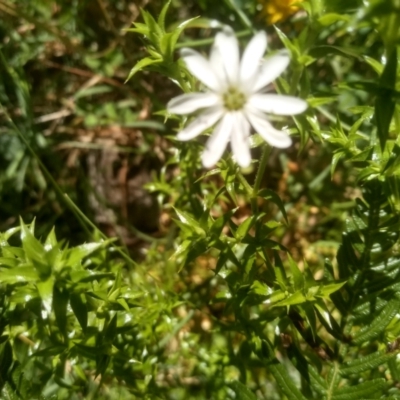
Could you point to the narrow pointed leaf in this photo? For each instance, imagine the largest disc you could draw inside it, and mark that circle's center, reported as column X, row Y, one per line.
column 242, row 392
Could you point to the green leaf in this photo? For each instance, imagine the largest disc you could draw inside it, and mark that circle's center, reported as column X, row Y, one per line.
column 92, row 91
column 167, row 45
column 297, row 275
column 93, row 276
column 370, row 389
column 154, row 30
column 376, row 65
column 326, row 290
column 143, row 63
column 244, row 227
column 366, row 363
column 169, row 40
column 265, row 351
column 102, row 363
column 188, row 221
column 309, row 311
column 50, row 351
column 18, row 274
column 384, row 109
column 79, row 307
column 280, row 273
column 110, row 331
column 326, row 317
column 318, row 383
column 220, row 222
column 7, row 234
column 75, row 255
column 314, row 102
column 60, row 303
column 45, row 289
column 255, row 141
column 268, row 194
column 260, row 289
column 19, row 381
column 288, row 44
column 6, row 358
column 9, row 393
column 379, row 324
column 295, row 298
column 331, row 18
column 197, row 249
column 242, row 392
column 90, row 352
column 161, row 17
column 226, row 255
column 51, row 240
column 35, row 252
column 284, row 381
column 182, row 249
column 384, row 104
column 325, row 50
column 231, row 189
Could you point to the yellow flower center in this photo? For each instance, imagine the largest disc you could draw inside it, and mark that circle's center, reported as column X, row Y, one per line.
column 233, row 99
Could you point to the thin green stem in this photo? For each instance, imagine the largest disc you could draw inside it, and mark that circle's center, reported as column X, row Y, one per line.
column 259, row 176
column 261, row 168
column 208, row 41
column 246, row 185
column 242, row 16
column 297, row 72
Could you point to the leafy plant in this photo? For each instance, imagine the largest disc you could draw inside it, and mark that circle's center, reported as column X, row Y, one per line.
column 276, row 282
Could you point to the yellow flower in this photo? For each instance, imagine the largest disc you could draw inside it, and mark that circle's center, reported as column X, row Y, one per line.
column 278, row 10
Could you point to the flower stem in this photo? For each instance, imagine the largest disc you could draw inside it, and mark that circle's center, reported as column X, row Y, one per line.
column 243, row 181
column 242, row 16
column 208, row 41
column 297, row 72
column 260, row 173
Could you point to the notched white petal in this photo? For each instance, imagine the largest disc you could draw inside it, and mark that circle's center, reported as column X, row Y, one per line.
column 227, row 46
column 240, row 140
column 218, row 141
column 204, row 121
column 278, row 104
column 188, row 103
column 252, row 56
column 263, row 127
column 200, row 67
column 271, row 68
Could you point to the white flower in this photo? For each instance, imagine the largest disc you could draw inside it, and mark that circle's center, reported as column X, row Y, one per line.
column 235, row 101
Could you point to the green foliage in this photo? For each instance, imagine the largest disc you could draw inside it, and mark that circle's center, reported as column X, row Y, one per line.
column 68, row 313
column 270, row 283
column 161, row 44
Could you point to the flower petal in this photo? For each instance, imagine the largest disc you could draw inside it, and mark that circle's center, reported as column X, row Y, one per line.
column 208, row 118
column 271, row 68
column 278, row 104
column 217, row 64
column 252, row 56
column 227, row 46
column 200, row 68
column 218, row 141
column 240, row 140
column 188, row 103
column 262, row 126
